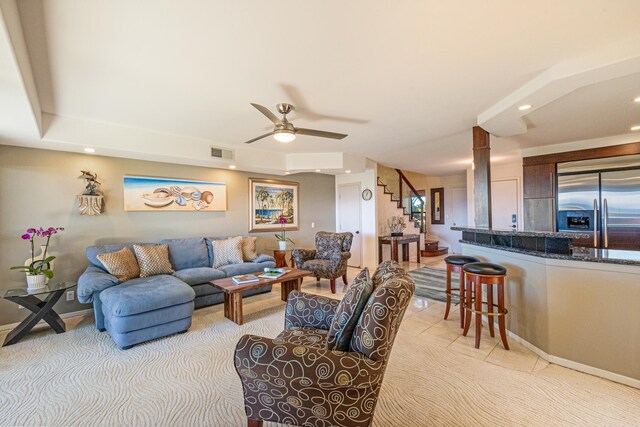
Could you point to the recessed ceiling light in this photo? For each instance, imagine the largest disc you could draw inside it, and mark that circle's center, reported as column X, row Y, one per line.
column 347, row 171
column 318, row 170
column 637, row 100
column 232, row 166
column 287, row 173
column 90, row 150
column 524, row 107
column 636, row 127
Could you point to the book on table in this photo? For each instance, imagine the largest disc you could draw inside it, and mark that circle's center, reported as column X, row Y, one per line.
column 245, row 278
column 274, row 273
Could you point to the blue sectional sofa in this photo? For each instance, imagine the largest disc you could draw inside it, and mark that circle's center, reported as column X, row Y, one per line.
column 141, row 309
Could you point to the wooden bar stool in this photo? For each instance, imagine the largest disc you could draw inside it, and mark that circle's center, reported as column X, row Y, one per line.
column 454, row 265
column 483, row 273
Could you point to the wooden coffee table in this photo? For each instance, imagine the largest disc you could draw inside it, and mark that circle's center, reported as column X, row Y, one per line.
column 233, row 292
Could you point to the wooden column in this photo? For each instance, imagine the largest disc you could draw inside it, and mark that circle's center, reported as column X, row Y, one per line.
column 482, row 176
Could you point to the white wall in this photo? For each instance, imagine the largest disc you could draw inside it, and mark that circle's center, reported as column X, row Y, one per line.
column 368, row 218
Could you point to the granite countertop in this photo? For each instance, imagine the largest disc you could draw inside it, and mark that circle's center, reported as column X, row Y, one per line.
column 608, row 256
column 511, row 232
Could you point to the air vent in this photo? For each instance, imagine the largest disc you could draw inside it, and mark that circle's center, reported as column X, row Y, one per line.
column 222, row 153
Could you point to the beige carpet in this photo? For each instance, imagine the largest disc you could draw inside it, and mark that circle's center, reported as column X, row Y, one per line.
column 81, row 378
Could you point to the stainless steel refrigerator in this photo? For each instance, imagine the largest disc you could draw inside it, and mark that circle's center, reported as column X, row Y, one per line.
column 602, row 198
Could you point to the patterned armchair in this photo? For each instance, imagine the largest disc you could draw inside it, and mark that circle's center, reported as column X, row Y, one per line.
column 294, row 379
column 329, row 259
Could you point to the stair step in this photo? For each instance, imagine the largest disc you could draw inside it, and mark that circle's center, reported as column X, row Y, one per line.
column 431, row 245
column 431, row 253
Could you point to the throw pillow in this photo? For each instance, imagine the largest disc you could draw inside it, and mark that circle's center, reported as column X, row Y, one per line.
column 227, row 252
column 122, row 264
column 249, row 252
column 349, row 311
column 153, row 260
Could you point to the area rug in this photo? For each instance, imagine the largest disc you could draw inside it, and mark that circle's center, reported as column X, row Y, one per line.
column 432, row 283
column 80, row 378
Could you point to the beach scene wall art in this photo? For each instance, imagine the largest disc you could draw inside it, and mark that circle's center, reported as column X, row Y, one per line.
column 143, row 193
column 271, row 200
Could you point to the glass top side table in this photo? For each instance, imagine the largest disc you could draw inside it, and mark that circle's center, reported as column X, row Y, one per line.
column 40, row 309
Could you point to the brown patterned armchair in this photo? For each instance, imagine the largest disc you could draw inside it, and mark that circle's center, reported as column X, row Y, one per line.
column 294, row 379
column 329, row 259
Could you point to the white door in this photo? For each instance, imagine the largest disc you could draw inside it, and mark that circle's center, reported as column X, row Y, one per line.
column 459, row 206
column 504, row 204
column 349, row 219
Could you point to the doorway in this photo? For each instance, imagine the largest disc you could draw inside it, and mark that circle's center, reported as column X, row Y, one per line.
column 349, row 219
column 459, row 206
column 504, row 204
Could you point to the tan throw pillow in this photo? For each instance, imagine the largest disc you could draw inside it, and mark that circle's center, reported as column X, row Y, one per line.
column 153, row 260
column 227, row 252
column 122, row 264
column 249, row 252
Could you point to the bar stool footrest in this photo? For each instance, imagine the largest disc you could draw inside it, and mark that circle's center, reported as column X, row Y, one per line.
column 487, row 313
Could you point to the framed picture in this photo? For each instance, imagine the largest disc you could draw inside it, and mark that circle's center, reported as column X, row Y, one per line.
column 270, row 200
column 142, row 193
column 437, row 205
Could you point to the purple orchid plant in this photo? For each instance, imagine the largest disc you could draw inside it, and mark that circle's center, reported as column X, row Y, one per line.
column 39, row 266
column 282, row 237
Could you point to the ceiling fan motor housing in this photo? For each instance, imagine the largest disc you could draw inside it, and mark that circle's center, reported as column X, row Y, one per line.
column 285, row 108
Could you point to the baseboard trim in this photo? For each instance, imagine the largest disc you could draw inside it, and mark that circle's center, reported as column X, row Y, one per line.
column 42, row 322
column 576, row 366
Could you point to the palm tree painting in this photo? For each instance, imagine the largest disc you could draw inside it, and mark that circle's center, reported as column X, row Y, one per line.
column 270, row 200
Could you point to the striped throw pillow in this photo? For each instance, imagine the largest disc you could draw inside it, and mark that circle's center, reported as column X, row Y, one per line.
column 153, row 260
column 227, row 252
column 122, row 264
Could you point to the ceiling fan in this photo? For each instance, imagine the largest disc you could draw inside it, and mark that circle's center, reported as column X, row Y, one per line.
column 284, row 130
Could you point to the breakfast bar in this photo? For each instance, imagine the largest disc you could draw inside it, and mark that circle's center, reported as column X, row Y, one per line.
column 576, row 307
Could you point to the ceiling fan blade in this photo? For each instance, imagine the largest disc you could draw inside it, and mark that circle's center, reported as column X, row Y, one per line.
column 259, row 137
column 268, row 113
column 320, row 133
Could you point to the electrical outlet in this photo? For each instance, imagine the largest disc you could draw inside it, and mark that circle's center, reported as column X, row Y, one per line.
column 70, row 295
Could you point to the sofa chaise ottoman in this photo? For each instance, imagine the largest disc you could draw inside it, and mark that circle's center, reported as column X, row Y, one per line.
column 140, row 310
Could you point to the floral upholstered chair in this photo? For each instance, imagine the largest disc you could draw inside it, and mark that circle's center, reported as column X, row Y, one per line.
column 296, row 379
column 329, row 259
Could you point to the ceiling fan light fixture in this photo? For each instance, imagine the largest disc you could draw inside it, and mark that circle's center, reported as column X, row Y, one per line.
column 284, row 135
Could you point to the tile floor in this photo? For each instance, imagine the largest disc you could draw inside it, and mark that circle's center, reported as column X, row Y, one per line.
column 424, row 320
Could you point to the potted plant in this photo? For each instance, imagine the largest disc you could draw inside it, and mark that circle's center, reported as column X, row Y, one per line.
column 39, row 269
column 90, row 201
column 282, row 236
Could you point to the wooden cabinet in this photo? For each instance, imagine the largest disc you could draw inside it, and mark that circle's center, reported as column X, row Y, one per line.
column 539, row 181
column 539, row 188
column 540, row 214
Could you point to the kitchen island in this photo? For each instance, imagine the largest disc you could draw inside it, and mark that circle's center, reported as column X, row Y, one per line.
column 575, row 307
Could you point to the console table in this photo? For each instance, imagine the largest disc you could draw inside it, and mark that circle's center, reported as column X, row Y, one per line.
column 394, row 242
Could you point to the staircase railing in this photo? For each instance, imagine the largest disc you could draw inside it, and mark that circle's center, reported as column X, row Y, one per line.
column 413, row 203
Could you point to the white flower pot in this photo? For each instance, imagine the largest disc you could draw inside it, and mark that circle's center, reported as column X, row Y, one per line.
column 39, row 257
column 35, row 282
column 282, row 245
